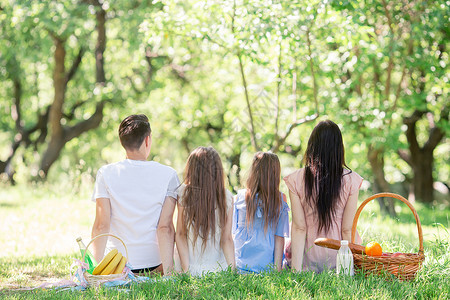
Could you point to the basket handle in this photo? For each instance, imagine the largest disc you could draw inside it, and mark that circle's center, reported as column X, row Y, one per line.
column 392, row 195
column 106, row 234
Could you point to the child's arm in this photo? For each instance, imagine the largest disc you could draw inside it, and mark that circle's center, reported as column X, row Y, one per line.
column 298, row 234
column 278, row 255
column 181, row 240
column 281, row 232
column 226, row 239
column 166, row 234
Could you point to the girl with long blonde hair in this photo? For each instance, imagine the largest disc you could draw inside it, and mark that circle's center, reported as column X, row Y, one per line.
column 203, row 236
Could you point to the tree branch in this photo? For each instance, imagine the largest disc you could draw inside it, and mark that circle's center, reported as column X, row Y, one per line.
column 405, row 156
column 313, row 73
column 83, row 126
column 179, row 72
column 41, row 125
column 294, row 96
column 76, row 63
column 244, row 83
column 436, row 133
column 133, row 86
column 278, row 91
column 71, row 115
column 291, row 127
column 411, row 135
column 16, row 111
column 390, row 66
column 149, row 55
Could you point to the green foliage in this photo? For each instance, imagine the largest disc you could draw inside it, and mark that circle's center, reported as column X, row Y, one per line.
column 238, row 75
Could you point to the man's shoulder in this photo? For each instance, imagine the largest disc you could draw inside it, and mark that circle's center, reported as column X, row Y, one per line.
column 111, row 166
column 162, row 167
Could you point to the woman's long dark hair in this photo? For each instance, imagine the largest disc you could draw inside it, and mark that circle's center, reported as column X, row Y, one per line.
column 204, row 192
column 324, row 167
column 264, row 180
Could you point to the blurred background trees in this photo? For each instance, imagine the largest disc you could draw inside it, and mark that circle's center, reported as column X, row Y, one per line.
column 241, row 76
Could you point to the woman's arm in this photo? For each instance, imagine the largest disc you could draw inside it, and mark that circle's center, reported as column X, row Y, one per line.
column 181, row 240
column 226, row 239
column 278, row 254
column 349, row 214
column 298, row 232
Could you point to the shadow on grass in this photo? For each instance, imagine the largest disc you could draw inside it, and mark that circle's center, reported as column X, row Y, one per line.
column 18, row 272
column 9, row 205
column 428, row 215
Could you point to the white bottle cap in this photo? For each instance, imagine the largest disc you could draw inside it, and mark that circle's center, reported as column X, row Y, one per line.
column 344, row 243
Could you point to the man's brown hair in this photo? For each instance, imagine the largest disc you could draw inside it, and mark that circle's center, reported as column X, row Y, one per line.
column 133, row 130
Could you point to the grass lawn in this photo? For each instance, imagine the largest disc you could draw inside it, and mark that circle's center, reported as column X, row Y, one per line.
column 40, row 224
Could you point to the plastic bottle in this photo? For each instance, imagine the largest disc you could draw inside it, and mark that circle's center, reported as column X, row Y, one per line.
column 344, row 260
column 89, row 258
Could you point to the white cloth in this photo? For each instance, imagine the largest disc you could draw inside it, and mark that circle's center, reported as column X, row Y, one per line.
column 212, row 258
column 136, row 190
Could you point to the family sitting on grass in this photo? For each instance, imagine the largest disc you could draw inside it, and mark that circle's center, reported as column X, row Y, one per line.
column 136, row 199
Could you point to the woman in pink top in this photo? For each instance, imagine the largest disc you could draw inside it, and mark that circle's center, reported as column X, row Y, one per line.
column 323, row 198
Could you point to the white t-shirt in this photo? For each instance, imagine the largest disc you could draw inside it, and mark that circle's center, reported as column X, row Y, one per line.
column 137, row 190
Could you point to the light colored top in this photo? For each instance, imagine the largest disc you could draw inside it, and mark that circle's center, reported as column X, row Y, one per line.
column 211, row 259
column 254, row 249
column 136, row 190
column 317, row 258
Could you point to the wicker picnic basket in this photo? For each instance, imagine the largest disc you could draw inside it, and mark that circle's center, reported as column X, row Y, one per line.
column 95, row 280
column 403, row 267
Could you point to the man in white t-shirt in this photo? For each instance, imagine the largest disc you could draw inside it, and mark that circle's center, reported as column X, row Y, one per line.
column 135, row 200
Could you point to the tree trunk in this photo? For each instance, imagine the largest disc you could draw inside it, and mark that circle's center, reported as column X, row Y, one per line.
column 101, row 45
column 56, row 110
column 60, row 135
column 57, row 144
column 421, row 158
column 375, row 155
column 423, row 176
column 54, row 148
column 59, row 85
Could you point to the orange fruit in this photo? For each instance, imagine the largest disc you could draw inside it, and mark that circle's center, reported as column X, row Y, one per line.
column 374, row 249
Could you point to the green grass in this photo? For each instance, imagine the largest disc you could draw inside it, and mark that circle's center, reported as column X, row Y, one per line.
column 40, row 220
column 40, row 223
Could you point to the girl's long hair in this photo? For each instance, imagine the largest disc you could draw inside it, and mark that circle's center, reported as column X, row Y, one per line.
column 324, row 166
column 204, row 193
column 263, row 187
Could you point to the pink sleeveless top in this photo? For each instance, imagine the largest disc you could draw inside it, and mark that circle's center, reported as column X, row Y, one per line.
column 317, row 258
